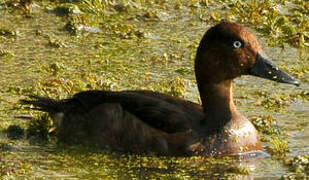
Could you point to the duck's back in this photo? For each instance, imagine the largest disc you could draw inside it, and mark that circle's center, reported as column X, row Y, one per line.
column 129, row 120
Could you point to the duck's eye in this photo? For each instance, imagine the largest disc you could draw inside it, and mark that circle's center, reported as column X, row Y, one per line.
column 237, row 44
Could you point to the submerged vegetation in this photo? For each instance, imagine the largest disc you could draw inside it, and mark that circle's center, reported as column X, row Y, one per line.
column 299, row 167
column 60, row 47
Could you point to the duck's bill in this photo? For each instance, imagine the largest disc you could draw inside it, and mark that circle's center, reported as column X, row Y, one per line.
column 264, row 68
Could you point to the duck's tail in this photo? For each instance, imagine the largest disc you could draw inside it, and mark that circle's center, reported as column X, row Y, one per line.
column 55, row 108
column 43, row 104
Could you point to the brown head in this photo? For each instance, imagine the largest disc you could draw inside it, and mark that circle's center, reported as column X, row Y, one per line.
column 229, row 50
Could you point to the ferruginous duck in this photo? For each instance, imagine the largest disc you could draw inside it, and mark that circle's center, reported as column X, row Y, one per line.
column 155, row 123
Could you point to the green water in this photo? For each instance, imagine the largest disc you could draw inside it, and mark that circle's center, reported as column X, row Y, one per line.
column 141, row 47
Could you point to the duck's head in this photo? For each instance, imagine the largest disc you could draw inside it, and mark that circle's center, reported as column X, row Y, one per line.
column 229, row 50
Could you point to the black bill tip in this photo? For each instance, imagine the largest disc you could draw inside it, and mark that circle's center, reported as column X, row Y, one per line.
column 296, row 83
column 264, row 68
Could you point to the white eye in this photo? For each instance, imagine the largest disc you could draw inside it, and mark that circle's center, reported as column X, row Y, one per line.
column 237, row 44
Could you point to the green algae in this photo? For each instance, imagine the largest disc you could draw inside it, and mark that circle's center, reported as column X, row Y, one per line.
column 277, row 147
column 273, row 136
column 6, row 54
column 142, row 45
column 90, row 163
column 267, row 125
column 8, row 33
column 299, row 167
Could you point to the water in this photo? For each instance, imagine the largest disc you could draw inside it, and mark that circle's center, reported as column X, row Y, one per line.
column 96, row 56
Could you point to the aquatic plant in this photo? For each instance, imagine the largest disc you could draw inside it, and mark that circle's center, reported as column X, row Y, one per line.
column 41, row 126
column 143, row 44
column 277, row 147
column 266, row 125
column 299, row 165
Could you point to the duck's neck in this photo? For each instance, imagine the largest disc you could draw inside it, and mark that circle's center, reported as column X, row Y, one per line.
column 217, row 102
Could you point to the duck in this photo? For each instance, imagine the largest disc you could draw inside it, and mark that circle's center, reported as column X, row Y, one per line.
column 148, row 122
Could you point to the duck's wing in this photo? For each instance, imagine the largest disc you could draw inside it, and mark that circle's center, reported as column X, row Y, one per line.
column 130, row 120
column 160, row 111
column 181, row 103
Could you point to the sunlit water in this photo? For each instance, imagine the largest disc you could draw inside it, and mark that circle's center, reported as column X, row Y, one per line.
column 32, row 54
